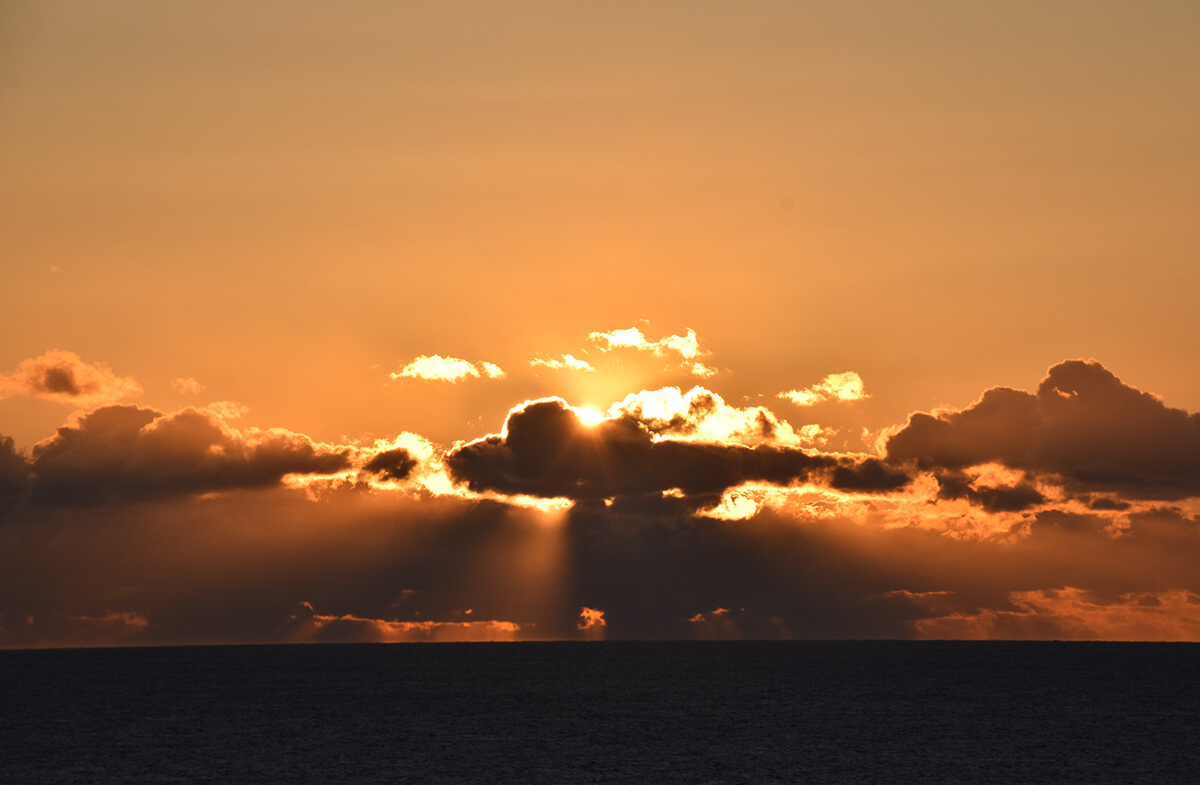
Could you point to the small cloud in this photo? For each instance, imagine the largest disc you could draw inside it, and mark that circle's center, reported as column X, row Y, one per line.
column 846, row 386
column 447, row 369
column 187, row 385
column 591, row 623
column 686, row 346
column 64, row 377
column 568, row 363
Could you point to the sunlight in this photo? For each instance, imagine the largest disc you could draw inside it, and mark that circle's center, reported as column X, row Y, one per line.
column 589, row 415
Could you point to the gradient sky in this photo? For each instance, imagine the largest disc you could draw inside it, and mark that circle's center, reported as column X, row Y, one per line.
column 239, row 241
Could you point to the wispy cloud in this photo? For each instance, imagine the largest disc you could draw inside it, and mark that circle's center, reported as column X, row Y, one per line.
column 186, row 385
column 568, row 363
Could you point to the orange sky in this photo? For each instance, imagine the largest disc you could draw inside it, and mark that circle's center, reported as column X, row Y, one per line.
column 273, row 213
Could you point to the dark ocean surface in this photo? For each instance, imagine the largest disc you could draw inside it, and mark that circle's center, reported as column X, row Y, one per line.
column 836, row 712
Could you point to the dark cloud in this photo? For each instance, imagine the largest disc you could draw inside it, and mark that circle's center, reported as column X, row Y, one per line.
column 1084, row 426
column 1022, row 496
column 121, row 453
column 394, row 464
column 546, row 451
column 998, row 427
column 868, row 476
column 186, row 566
column 14, row 472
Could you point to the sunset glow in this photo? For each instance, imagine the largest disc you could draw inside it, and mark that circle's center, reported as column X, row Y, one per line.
column 598, row 322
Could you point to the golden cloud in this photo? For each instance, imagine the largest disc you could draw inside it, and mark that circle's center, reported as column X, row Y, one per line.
column 434, row 367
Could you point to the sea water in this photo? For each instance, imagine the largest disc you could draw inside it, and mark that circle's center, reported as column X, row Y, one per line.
column 712, row 712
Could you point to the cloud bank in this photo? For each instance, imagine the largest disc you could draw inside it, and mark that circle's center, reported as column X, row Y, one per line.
column 1070, row 512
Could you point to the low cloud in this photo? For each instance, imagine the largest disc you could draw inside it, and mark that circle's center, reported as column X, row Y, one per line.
column 546, row 450
column 591, row 624
column 308, row 626
column 434, row 367
column 122, row 453
column 839, row 387
column 688, row 518
column 1084, row 428
column 14, row 473
column 64, row 377
column 1071, row 613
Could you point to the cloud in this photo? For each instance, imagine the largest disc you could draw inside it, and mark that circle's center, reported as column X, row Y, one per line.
column 738, row 624
column 546, row 450
column 396, row 464
column 447, row 369
column 186, row 385
column 568, row 362
column 14, row 473
column 703, row 415
column 308, row 626
column 122, row 453
column 687, row 347
column 1084, row 427
column 1071, row 613
column 591, row 623
column 64, row 377
column 846, row 386
column 688, row 518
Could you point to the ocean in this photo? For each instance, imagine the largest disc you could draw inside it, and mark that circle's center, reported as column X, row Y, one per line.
column 635, row 712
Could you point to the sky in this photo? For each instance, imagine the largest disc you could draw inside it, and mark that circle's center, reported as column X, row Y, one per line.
column 472, row 321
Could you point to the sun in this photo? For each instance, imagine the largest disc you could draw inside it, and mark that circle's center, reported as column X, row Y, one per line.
column 589, row 415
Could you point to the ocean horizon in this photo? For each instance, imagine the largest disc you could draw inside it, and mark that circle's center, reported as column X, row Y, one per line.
column 614, row 711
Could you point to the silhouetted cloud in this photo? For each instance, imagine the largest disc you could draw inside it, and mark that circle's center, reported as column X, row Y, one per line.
column 62, row 376
column 127, row 452
column 546, row 450
column 394, row 464
column 14, row 472
column 1084, row 426
column 447, row 369
column 691, row 518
